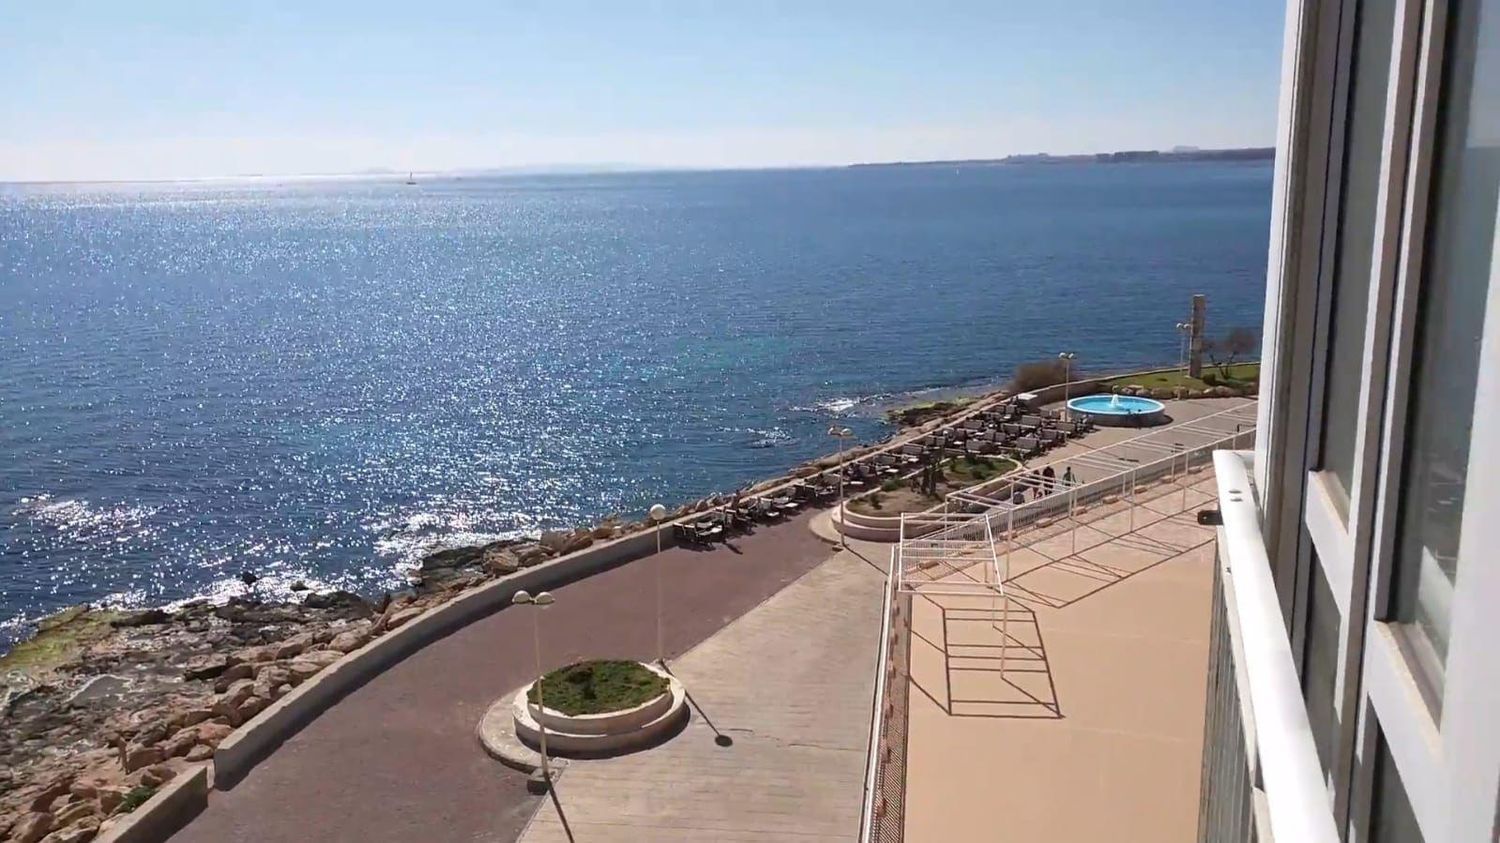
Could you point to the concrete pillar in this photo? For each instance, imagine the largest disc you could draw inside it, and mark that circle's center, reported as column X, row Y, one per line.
column 1195, row 336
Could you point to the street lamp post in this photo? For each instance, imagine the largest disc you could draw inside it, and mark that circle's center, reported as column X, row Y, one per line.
column 1067, row 358
column 658, row 513
column 841, row 433
column 1183, row 328
column 542, row 600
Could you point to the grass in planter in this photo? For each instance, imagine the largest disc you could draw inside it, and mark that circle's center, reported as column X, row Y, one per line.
column 597, row 687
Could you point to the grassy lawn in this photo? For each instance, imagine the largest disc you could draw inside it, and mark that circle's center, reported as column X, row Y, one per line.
column 1238, row 374
column 896, row 497
column 596, row 687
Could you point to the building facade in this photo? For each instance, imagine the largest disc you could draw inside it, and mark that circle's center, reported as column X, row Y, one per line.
column 1354, row 690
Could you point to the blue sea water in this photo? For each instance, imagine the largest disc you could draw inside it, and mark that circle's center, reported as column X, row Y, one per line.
column 321, row 380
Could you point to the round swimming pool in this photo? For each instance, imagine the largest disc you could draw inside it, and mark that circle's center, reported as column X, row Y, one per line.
column 1119, row 410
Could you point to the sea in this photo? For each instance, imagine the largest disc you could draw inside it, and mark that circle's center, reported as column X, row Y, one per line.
column 321, row 380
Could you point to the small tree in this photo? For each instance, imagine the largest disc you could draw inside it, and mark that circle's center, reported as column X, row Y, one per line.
column 1040, row 373
column 1229, row 349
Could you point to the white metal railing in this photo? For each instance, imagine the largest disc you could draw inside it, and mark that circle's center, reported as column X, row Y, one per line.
column 882, row 814
column 1262, row 780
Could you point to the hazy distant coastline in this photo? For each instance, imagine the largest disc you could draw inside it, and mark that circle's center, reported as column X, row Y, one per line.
column 1174, row 156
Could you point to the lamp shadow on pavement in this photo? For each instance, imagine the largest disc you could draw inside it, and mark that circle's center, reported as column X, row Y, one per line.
column 720, row 739
column 557, row 805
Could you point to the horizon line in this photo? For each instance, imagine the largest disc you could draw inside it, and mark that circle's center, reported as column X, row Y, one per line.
column 606, row 168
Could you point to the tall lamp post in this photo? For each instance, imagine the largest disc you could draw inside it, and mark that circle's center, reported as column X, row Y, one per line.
column 658, row 514
column 542, row 600
column 1067, row 358
column 841, row 433
column 1183, row 328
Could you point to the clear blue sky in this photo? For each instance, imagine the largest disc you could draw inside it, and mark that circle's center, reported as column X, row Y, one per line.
column 159, row 88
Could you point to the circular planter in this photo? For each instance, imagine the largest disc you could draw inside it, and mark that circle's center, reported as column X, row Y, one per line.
column 597, row 735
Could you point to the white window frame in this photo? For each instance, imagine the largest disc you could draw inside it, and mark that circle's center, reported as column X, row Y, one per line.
column 1342, row 539
column 1450, row 766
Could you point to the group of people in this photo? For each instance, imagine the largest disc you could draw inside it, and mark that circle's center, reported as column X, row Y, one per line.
column 1050, row 483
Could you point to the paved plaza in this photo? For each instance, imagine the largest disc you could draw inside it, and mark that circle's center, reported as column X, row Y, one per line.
column 1089, row 725
column 790, row 685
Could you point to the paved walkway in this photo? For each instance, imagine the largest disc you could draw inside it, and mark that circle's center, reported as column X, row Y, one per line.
column 1091, row 729
column 790, row 683
column 397, row 760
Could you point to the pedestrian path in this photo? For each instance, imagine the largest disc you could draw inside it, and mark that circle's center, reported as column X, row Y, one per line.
column 777, row 744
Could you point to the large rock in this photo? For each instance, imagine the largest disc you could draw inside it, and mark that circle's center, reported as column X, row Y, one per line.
column 180, row 744
column 500, row 561
column 321, row 658
column 253, row 706
column 349, row 640
column 341, row 604
column 553, row 540
column 157, row 775
column 212, row 733
column 295, row 645
column 231, row 675
column 148, row 617
column 302, row 670
column 205, row 667
column 110, row 797
column 81, row 832
column 268, row 683
column 238, row 692
column 193, row 716
column 577, row 540
column 402, row 617
column 137, row 757
column 532, row 554
column 72, row 813
column 43, row 801
column 32, row 827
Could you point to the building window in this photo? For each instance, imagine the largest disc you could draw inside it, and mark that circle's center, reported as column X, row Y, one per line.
column 1364, row 142
column 1320, row 661
column 1451, row 301
column 1391, row 817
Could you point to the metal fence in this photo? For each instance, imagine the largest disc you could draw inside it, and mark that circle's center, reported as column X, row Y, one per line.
column 1226, row 812
column 883, row 818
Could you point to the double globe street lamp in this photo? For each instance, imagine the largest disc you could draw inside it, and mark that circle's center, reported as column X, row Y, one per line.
column 540, row 601
column 1067, row 358
column 841, row 433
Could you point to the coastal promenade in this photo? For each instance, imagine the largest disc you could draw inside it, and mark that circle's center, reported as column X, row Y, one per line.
column 397, row 760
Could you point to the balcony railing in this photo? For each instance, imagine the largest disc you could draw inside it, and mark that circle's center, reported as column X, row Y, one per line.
column 1261, row 777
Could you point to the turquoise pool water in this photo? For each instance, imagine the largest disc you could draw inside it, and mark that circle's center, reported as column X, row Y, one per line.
column 1115, row 405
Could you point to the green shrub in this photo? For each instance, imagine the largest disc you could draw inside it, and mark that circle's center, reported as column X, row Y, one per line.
column 136, row 797
column 891, row 484
column 1040, row 373
column 1210, row 379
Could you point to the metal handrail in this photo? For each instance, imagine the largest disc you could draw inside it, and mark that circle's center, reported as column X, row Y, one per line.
column 872, row 759
column 1287, row 756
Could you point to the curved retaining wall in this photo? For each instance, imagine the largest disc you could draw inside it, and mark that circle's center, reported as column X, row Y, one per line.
column 877, row 528
column 173, row 806
column 253, row 741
